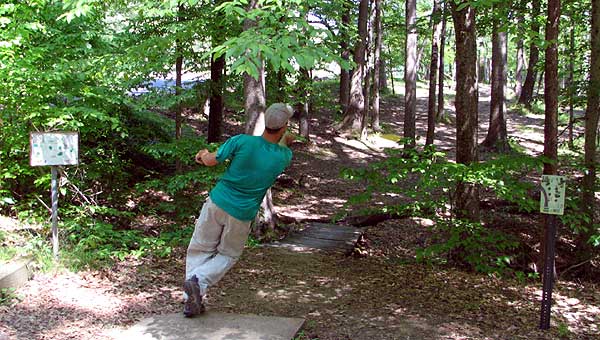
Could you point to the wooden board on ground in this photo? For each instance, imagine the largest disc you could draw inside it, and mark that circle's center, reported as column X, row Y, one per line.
column 321, row 236
column 211, row 326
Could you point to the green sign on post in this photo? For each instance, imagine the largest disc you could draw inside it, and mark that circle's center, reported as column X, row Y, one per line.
column 552, row 203
column 552, row 200
column 53, row 149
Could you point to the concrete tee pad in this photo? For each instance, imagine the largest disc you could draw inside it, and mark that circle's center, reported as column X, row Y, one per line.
column 211, row 326
column 15, row 274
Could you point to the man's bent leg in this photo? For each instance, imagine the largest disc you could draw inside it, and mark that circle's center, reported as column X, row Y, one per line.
column 229, row 249
column 206, row 238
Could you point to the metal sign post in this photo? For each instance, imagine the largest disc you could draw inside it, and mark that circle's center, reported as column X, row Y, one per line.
column 54, row 194
column 552, row 202
column 53, row 149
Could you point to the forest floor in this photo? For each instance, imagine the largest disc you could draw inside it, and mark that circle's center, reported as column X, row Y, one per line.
column 383, row 294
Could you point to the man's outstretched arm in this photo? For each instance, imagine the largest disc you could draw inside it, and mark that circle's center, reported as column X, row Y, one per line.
column 206, row 158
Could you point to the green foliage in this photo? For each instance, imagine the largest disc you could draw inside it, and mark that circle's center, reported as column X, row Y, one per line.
column 429, row 180
column 425, row 183
column 8, row 296
column 483, row 249
column 281, row 37
column 6, row 252
column 92, row 242
column 252, row 242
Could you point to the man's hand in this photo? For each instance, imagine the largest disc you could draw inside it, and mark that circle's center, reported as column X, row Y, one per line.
column 198, row 157
column 289, row 138
column 206, row 158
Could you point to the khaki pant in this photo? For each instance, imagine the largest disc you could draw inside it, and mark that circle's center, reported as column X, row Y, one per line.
column 216, row 245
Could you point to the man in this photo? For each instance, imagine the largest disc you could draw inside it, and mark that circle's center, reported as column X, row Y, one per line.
column 224, row 222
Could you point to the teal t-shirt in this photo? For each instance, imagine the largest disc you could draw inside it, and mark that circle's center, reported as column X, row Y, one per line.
column 255, row 164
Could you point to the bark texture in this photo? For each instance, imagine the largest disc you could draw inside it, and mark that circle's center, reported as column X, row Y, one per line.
column 378, row 71
column 591, row 134
column 534, row 52
column 356, row 105
column 344, row 73
column 410, row 74
column 215, row 115
column 433, row 69
column 496, row 137
column 467, row 96
column 439, row 115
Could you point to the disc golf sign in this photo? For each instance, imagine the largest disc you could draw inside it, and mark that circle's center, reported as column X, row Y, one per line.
column 54, row 149
column 552, row 200
column 552, row 203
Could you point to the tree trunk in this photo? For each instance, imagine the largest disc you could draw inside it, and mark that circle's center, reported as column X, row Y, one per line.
column 391, row 67
column 344, row 73
column 304, row 106
column 433, row 68
column 254, row 106
column 255, row 102
column 527, row 90
column 383, row 76
column 364, row 121
column 467, row 195
column 496, row 136
column 379, row 71
column 520, row 62
column 439, row 115
column 215, row 116
column 368, row 73
column 539, row 85
column 571, row 86
column 410, row 74
column 591, row 129
column 254, row 90
column 551, row 92
column 178, row 87
column 356, row 105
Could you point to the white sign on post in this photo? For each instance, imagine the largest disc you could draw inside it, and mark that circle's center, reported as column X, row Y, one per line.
column 54, row 148
column 552, row 200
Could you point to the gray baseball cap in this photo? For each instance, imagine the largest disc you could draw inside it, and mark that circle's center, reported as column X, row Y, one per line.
column 277, row 115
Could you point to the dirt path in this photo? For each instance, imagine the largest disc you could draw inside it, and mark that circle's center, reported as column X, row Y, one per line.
column 384, row 295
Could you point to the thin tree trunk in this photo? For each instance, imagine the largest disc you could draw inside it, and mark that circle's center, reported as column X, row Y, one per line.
column 467, row 195
column 551, row 92
column 496, row 136
column 304, row 121
column 383, row 77
column 215, row 116
column 379, row 71
column 539, row 85
column 356, row 104
column 520, row 61
column 571, row 86
column 410, row 74
column 592, row 113
column 392, row 75
column 344, row 73
column 433, row 68
column 368, row 72
column 527, row 90
column 439, row 115
column 178, row 87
